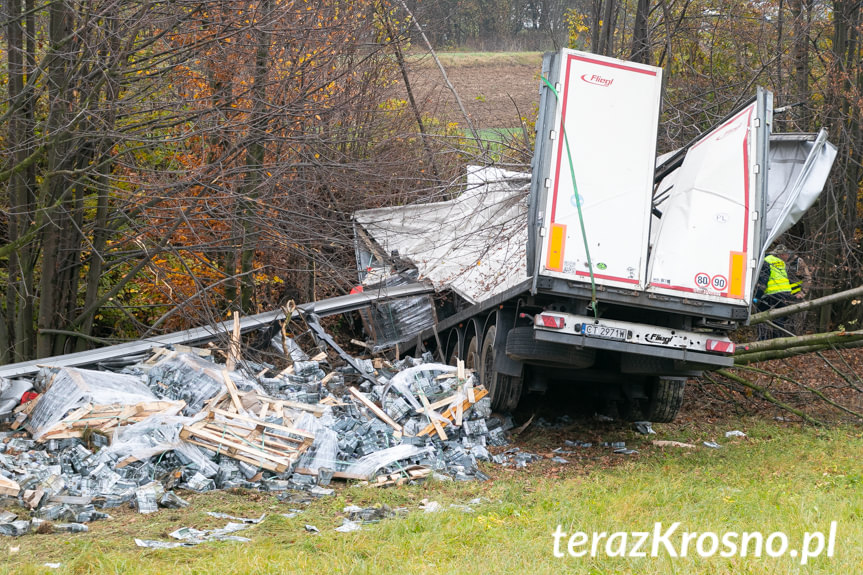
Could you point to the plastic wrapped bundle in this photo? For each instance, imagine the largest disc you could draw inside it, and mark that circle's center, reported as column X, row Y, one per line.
column 187, row 377
column 70, row 388
column 390, row 322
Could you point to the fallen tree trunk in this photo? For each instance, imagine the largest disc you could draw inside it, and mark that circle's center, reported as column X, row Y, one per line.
column 763, row 392
column 766, row 355
column 808, row 388
column 804, row 306
column 799, row 340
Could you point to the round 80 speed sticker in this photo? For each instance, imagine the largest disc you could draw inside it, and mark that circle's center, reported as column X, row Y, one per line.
column 702, row 280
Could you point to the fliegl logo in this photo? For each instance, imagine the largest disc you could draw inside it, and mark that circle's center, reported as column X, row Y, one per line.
column 597, row 80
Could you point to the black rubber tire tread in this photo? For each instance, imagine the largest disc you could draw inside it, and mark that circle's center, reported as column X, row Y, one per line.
column 666, row 397
column 471, row 355
column 521, row 346
column 504, row 390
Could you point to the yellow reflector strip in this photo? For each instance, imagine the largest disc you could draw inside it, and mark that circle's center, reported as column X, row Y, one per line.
column 736, row 274
column 556, row 241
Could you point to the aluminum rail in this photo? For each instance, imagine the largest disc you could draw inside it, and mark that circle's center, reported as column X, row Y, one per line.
column 323, row 308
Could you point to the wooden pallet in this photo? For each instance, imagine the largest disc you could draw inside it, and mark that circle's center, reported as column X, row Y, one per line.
column 413, row 473
column 249, row 440
column 104, row 418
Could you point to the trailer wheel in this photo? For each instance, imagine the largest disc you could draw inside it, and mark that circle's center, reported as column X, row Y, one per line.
column 665, row 396
column 521, row 346
column 504, row 390
column 471, row 355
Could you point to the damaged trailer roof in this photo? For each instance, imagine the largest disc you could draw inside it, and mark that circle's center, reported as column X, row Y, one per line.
column 475, row 244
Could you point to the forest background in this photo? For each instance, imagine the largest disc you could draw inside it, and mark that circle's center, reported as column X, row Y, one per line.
column 163, row 163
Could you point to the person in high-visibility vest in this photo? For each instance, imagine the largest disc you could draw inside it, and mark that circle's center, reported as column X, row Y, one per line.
column 774, row 288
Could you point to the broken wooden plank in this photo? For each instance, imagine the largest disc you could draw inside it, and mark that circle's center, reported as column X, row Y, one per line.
column 380, row 413
column 259, row 461
column 433, row 416
column 9, row 487
column 399, row 478
column 448, row 415
column 330, row 400
column 237, row 449
column 232, row 390
column 316, row 410
column 300, row 432
column 234, row 344
column 327, row 378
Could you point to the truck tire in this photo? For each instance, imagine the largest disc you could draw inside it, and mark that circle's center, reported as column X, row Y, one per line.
column 665, row 397
column 471, row 355
column 521, row 346
column 504, row 390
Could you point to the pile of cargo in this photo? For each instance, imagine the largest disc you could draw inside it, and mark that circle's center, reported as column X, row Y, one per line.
column 89, row 440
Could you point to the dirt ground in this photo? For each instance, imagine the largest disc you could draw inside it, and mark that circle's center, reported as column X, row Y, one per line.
column 496, row 89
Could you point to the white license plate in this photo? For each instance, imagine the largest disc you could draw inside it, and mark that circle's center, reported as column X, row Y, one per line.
column 603, row 331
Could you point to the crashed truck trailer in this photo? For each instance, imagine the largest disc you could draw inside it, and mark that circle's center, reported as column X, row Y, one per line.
column 606, row 266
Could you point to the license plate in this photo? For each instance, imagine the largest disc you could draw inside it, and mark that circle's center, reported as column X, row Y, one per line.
column 603, row 331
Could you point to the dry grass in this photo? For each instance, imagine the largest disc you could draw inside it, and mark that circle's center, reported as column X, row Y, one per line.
column 780, row 479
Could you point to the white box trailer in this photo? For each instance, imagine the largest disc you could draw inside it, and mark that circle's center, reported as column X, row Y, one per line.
column 604, row 267
column 598, row 191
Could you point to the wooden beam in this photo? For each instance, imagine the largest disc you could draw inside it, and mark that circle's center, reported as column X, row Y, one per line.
column 432, row 415
column 375, row 409
column 480, row 392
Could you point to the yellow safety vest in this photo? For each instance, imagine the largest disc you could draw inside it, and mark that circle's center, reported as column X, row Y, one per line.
column 778, row 282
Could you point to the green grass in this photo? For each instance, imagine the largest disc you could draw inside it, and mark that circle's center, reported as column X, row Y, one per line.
column 780, row 479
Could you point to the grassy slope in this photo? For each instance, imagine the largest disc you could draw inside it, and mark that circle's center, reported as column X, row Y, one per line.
column 781, row 479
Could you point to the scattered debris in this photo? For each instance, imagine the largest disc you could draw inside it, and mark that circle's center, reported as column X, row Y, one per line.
column 249, row 521
column 347, row 526
column 643, row 427
column 189, row 537
column 312, row 529
column 577, row 443
column 666, row 443
column 515, row 457
column 711, row 444
column 100, row 439
column 735, row 433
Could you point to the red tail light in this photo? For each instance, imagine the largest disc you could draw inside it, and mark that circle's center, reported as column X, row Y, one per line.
column 552, row 321
column 720, row 346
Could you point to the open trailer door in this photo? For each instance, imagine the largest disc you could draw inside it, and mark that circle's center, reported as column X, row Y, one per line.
column 799, row 167
column 710, row 234
column 602, row 145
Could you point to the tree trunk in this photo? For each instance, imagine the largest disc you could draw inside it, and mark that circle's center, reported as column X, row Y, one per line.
column 640, row 40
